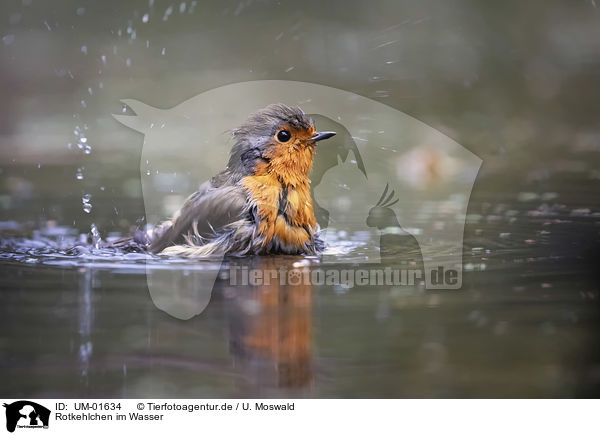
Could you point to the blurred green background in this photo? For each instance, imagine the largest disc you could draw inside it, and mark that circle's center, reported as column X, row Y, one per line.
column 514, row 82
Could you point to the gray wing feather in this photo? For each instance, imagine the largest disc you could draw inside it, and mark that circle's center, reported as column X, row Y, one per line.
column 203, row 214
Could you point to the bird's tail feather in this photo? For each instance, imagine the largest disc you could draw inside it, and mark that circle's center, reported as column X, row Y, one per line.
column 236, row 238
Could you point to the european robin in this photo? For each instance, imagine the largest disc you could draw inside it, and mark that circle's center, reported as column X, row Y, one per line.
column 260, row 203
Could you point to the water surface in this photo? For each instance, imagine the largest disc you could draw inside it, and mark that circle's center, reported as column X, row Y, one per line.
column 79, row 322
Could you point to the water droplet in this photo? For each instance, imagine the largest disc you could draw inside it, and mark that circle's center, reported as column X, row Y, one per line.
column 164, row 50
column 168, row 12
column 84, row 49
column 87, row 149
column 79, row 174
column 8, row 39
column 145, row 18
column 96, row 239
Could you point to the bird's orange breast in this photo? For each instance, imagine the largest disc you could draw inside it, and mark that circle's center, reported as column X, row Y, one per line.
column 285, row 211
column 280, row 189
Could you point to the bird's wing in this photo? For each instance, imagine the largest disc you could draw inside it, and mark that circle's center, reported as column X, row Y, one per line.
column 203, row 214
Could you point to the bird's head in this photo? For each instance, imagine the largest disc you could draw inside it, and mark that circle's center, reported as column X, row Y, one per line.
column 278, row 140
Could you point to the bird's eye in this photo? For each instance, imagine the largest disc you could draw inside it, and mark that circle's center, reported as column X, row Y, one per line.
column 284, row 136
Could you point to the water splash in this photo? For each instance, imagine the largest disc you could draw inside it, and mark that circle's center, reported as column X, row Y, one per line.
column 87, row 206
column 96, row 239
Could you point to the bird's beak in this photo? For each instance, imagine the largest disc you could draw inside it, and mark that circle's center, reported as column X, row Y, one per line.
column 321, row 135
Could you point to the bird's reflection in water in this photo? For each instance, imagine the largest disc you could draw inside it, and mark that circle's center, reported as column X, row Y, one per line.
column 270, row 323
column 271, row 326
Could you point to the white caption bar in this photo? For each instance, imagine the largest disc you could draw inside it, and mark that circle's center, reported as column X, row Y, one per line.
column 150, row 416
